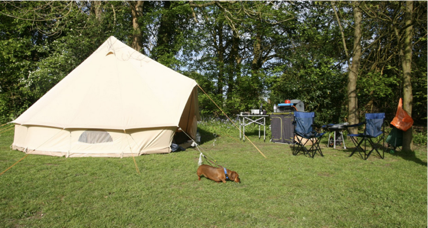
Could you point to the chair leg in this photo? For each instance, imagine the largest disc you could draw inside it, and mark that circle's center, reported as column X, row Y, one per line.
column 357, row 144
column 296, row 150
column 374, row 148
column 311, row 150
column 354, row 140
column 300, row 147
column 358, row 147
column 373, row 145
column 316, row 147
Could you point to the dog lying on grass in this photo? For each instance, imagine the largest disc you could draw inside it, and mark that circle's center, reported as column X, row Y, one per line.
column 217, row 174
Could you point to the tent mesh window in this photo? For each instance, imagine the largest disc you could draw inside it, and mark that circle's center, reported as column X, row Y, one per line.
column 95, row 136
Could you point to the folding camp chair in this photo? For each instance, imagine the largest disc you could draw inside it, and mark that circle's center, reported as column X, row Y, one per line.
column 373, row 133
column 304, row 133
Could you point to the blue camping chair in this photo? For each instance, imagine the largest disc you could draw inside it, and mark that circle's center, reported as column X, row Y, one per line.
column 373, row 133
column 304, row 132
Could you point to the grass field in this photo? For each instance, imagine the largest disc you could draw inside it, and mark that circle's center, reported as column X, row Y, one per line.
column 281, row 190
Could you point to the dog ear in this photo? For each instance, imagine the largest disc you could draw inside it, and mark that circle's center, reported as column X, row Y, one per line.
column 234, row 176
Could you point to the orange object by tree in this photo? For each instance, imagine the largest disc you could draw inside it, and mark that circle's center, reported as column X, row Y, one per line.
column 402, row 120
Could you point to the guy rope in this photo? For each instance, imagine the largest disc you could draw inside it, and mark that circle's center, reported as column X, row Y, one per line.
column 201, row 155
column 6, row 129
column 231, row 121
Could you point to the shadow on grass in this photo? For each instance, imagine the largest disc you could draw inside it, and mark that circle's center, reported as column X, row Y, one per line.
column 361, row 154
column 409, row 156
column 255, row 133
column 206, row 136
column 306, row 150
column 297, row 150
column 406, row 155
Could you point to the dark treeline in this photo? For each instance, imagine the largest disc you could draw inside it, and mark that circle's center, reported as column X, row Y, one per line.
column 342, row 59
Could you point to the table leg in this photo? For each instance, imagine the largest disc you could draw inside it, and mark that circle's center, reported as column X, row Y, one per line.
column 243, row 129
column 264, row 129
column 240, row 138
column 343, row 140
column 334, row 140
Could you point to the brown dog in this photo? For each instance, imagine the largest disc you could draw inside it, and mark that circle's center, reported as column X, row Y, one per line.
column 217, row 174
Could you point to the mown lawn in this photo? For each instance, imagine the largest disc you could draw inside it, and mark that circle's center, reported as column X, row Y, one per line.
column 281, row 190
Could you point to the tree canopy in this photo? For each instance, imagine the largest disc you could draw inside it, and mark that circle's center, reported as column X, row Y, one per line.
column 243, row 53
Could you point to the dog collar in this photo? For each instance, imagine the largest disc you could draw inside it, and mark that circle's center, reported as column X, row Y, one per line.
column 225, row 172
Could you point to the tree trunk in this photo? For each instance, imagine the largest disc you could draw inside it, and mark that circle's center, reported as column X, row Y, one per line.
column 97, row 9
column 220, row 61
column 234, row 63
column 136, row 11
column 407, row 69
column 353, row 70
column 256, row 64
column 166, row 31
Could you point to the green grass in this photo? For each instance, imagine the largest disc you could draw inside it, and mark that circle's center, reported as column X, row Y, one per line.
column 281, row 190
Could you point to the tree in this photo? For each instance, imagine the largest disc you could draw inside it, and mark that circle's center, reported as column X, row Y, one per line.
column 136, row 12
column 394, row 43
column 419, row 63
column 39, row 47
column 241, row 52
column 244, row 47
column 310, row 68
column 407, row 69
column 354, row 68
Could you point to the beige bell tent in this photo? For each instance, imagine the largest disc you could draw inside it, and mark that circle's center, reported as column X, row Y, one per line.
column 117, row 103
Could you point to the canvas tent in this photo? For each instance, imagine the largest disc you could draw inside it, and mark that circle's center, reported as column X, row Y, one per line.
column 116, row 103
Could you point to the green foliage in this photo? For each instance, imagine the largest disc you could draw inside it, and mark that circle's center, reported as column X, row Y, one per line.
column 318, row 84
column 17, row 54
column 419, row 111
column 377, row 91
column 33, row 62
column 420, row 138
column 419, row 83
column 377, row 85
column 242, row 53
column 171, row 17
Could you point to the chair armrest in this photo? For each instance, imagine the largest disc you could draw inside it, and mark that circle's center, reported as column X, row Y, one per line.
column 327, row 125
column 355, row 125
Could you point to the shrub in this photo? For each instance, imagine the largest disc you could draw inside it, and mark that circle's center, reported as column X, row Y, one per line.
column 420, row 138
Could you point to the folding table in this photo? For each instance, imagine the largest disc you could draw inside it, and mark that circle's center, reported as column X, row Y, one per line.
column 337, row 131
column 245, row 120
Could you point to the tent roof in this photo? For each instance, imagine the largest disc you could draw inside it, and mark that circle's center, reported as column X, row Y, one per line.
column 114, row 88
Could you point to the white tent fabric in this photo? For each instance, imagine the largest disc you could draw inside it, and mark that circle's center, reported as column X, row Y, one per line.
column 117, row 92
